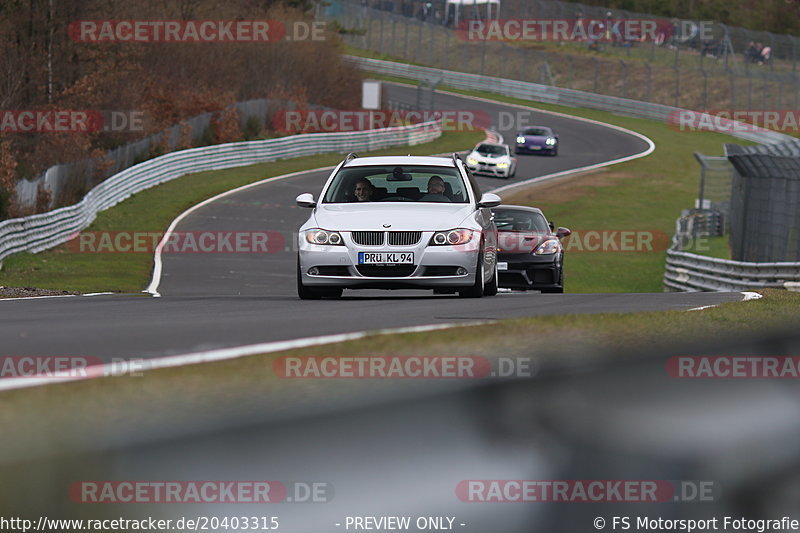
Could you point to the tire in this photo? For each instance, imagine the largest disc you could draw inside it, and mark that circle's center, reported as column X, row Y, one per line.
column 560, row 288
column 554, row 152
column 491, row 288
column 310, row 293
column 553, row 290
column 476, row 290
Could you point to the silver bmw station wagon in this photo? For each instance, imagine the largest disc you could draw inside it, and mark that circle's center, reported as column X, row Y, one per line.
column 398, row 222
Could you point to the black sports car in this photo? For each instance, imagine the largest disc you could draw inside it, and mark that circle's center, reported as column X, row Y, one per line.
column 530, row 255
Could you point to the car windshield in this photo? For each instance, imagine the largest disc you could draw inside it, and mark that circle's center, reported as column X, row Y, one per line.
column 491, row 149
column 512, row 220
column 397, row 184
column 538, row 131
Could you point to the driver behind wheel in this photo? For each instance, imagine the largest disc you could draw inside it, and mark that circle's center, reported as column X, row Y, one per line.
column 435, row 191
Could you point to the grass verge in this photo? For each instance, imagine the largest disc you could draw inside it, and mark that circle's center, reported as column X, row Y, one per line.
column 152, row 210
column 718, row 247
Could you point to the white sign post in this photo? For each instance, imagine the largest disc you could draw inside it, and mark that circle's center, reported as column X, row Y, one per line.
column 371, row 94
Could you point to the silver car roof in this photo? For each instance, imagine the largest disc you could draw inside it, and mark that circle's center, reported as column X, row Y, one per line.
column 400, row 160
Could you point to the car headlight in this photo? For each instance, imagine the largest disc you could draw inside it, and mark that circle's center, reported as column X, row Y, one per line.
column 321, row 236
column 472, row 161
column 451, row 237
column 550, row 246
column 502, row 165
column 550, row 141
column 521, row 140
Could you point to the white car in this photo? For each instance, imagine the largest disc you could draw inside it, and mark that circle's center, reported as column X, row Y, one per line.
column 493, row 160
column 399, row 222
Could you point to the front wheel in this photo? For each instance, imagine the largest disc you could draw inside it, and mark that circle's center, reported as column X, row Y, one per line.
column 491, row 288
column 476, row 290
column 560, row 288
column 311, row 293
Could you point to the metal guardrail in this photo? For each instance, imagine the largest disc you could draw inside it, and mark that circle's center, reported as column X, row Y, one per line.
column 692, row 272
column 40, row 232
column 551, row 95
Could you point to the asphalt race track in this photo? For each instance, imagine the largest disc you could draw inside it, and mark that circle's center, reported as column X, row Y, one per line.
column 220, row 300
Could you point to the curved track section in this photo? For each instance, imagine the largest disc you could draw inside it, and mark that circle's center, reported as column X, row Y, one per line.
column 270, row 205
column 224, row 300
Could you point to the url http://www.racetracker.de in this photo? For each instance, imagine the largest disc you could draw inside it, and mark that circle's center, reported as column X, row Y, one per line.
column 199, row 523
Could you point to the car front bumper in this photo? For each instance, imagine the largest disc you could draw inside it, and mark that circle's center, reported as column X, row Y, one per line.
column 528, row 271
column 535, row 148
column 487, row 170
column 433, row 267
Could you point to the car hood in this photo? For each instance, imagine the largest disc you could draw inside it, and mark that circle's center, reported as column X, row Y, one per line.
column 489, row 157
column 372, row 216
column 518, row 242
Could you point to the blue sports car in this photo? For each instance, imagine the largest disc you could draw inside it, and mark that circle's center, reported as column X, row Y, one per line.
column 537, row 139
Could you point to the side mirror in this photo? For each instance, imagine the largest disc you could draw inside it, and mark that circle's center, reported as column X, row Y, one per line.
column 563, row 232
column 489, row 200
column 305, row 200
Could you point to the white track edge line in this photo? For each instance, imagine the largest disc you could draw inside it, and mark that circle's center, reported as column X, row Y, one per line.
column 39, row 297
column 701, row 307
column 155, row 281
column 746, row 296
column 749, row 295
column 54, row 296
column 222, row 354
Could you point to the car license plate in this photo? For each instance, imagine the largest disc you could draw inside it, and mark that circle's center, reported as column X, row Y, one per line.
column 502, row 265
column 385, row 258
column 536, row 147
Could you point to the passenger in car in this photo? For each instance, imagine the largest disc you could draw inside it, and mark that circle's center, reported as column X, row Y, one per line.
column 363, row 190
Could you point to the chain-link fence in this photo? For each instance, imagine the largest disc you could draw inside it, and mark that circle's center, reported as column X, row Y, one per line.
column 680, row 71
column 765, row 221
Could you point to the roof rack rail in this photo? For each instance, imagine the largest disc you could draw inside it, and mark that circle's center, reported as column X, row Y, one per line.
column 351, row 155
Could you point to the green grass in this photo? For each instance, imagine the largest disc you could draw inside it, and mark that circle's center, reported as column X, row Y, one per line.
column 718, row 247
column 153, row 210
